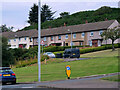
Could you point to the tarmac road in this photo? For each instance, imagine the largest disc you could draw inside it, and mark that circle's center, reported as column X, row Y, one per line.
column 86, row 82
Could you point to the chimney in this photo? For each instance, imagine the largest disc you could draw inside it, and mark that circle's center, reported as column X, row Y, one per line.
column 86, row 21
column 106, row 19
column 64, row 24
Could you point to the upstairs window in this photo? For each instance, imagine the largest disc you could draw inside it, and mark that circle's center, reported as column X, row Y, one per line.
column 91, row 33
column 83, row 34
column 30, row 39
column 74, row 35
column 44, row 38
column 19, row 39
column 59, row 37
column 9, row 40
column 51, row 38
column 66, row 36
column 100, row 32
column 25, row 38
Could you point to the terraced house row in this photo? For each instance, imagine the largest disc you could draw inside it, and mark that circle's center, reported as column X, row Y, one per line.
column 82, row 34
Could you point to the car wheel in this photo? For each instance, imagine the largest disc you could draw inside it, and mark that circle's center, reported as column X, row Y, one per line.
column 3, row 83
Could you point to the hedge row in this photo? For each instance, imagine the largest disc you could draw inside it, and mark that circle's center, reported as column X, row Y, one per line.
column 87, row 50
column 59, row 48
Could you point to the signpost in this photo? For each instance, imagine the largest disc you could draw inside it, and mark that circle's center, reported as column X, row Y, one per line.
column 68, row 71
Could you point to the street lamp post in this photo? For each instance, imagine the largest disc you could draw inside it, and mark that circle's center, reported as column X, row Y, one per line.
column 71, row 38
column 39, row 40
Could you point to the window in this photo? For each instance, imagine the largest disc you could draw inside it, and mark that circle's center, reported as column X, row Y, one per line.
column 83, row 34
column 91, row 33
column 59, row 37
column 74, row 35
column 37, row 40
column 9, row 40
column 66, row 36
column 25, row 38
column 44, row 38
column 90, row 43
column 30, row 39
column 72, row 43
column 51, row 38
column 100, row 32
column 14, row 39
column 19, row 39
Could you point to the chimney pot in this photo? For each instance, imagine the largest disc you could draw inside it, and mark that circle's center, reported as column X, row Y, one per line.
column 64, row 24
column 86, row 21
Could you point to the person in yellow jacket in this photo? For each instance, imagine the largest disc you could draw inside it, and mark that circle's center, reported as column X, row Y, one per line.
column 68, row 71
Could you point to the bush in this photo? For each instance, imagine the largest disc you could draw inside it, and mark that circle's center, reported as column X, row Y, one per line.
column 43, row 57
column 30, row 61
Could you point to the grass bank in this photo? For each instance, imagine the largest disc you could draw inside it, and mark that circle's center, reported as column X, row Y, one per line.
column 113, row 78
column 56, row 70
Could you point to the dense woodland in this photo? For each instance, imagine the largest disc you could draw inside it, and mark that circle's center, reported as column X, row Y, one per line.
column 101, row 14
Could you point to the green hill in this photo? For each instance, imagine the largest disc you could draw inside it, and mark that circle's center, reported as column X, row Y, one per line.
column 100, row 14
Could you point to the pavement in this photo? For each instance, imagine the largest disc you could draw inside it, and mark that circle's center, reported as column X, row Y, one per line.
column 93, row 81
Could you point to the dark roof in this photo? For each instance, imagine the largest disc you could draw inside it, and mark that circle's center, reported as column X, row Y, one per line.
column 61, row 30
column 77, row 28
column 30, row 33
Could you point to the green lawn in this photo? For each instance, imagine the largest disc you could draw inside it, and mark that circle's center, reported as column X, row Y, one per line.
column 56, row 71
column 113, row 78
column 103, row 53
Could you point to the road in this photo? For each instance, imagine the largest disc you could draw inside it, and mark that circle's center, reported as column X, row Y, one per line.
column 86, row 82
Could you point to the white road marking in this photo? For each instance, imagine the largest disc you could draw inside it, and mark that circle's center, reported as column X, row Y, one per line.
column 27, row 87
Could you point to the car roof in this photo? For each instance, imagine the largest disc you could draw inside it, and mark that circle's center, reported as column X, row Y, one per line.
column 5, row 68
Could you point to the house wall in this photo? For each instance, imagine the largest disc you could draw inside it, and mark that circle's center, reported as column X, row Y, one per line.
column 16, row 42
column 13, row 43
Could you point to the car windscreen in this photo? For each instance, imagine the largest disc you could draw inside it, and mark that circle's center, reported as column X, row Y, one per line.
column 67, row 52
column 5, row 70
column 49, row 53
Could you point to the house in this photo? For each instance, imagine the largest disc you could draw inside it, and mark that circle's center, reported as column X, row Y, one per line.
column 82, row 34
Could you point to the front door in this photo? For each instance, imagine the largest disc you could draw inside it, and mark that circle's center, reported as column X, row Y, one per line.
column 95, row 43
column 20, row 46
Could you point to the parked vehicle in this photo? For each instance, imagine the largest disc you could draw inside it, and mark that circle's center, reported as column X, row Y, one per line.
column 50, row 54
column 7, row 75
column 71, row 53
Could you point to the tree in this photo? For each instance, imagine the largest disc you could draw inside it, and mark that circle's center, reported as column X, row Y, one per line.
column 46, row 14
column 7, row 56
column 112, row 34
column 4, row 28
column 33, row 15
column 64, row 14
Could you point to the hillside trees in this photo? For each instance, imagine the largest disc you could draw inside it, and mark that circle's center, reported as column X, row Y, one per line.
column 4, row 28
column 100, row 14
column 64, row 14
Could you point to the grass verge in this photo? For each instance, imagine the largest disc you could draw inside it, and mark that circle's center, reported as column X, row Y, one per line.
column 56, row 71
column 113, row 78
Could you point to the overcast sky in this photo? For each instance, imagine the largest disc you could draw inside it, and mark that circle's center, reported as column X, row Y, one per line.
column 15, row 12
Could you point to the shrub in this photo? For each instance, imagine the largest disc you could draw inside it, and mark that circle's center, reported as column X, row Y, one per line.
column 43, row 57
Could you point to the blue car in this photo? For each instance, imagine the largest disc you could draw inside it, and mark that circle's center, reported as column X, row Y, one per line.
column 7, row 75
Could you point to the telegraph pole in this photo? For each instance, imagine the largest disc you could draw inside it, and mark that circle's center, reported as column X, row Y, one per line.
column 39, row 40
